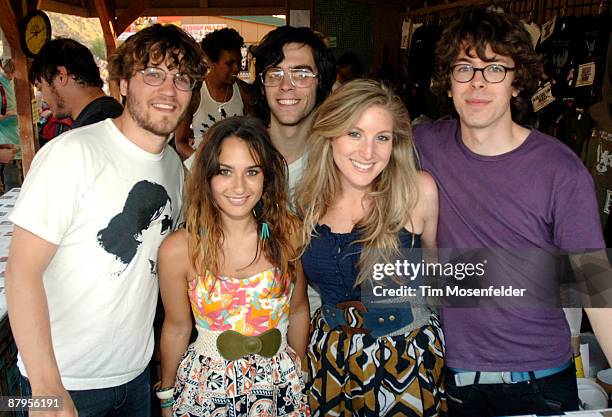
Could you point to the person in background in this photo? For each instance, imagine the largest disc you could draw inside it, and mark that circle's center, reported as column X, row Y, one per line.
column 222, row 94
column 10, row 157
column 504, row 186
column 348, row 67
column 236, row 263
column 361, row 191
column 67, row 75
column 295, row 73
column 81, row 282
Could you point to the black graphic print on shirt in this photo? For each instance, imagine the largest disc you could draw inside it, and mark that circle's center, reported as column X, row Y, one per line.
column 147, row 204
column 213, row 120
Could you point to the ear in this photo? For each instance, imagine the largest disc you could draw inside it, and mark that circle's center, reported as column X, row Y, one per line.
column 62, row 75
column 123, row 86
column 449, row 93
column 515, row 92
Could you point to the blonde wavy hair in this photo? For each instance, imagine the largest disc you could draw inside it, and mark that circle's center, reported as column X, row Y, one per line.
column 394, row 192
column 202, row 216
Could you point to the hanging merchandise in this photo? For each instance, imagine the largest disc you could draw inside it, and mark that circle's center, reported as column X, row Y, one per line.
column 418, row 96
column 593, row 34
column 557, row 44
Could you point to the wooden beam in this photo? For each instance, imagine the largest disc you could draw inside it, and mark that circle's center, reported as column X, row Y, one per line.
column 216, row 11
column 107, row 22
column 204, row 4
column 28, row 136
column 136, row 9
column 23, row 89
column 59, row 7
column 8, row 23
column 446, row 6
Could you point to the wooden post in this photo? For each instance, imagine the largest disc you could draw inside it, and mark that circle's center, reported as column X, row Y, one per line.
column 107, row 21
column 23, row 90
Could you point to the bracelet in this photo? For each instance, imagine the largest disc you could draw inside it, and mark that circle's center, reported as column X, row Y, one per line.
column 167, row 403
column 165, row 393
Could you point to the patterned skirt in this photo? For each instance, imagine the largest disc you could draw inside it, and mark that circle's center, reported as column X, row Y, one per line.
column 210, row 386
column 360, row 375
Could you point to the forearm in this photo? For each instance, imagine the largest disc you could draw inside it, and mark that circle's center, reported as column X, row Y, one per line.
column 601, row 319
column 297, row 335
column 173, row 344
column 29, row 318
column 184, row 149
column 9, row 113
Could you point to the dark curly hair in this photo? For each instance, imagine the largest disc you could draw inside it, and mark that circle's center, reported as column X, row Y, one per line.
column 474, row 29
column 269, row 53
column 225, row 39
column 154, row 45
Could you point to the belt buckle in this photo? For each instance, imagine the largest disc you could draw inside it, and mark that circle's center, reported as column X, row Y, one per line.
column 507, row 377
column 233, row 345
column 353, row 317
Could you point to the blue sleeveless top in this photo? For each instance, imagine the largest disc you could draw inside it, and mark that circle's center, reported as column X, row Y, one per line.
column 330, row 262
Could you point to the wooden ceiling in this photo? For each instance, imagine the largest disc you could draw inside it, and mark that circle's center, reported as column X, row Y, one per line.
column 87, row 8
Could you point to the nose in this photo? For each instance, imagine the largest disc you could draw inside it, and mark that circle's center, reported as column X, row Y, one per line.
column 238, row 184
column 286, row 83
column 478, row 80
column 367, row 149
column 167, row 87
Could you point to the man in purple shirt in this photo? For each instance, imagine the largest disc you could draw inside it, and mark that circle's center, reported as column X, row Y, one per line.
column 504, row 186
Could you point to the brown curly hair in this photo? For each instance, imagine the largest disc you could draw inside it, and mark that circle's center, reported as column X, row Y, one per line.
column 474, row 29
column 156, row 44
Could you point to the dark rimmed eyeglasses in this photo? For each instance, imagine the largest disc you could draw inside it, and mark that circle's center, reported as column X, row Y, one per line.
column 299, row 77
column 156, row 76
column 492, row 73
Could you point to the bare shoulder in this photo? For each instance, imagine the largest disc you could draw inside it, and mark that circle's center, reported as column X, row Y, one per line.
column 428, row 190
column 175, row 246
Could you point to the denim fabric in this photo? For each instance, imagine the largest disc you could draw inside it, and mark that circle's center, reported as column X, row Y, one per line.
column 11, row 175
column 552, row 394
column 376, row 320
column 128, row 400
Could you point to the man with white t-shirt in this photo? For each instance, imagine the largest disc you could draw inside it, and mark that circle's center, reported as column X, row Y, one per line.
column 295, row 73
column 93, row 210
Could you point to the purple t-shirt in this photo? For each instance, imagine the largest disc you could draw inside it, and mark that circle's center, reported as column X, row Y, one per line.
column 537, row 196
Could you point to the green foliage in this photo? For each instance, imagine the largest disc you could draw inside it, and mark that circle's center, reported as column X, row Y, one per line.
column 98, row 48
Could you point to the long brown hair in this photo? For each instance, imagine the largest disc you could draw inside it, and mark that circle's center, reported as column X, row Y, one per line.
column 203, row 219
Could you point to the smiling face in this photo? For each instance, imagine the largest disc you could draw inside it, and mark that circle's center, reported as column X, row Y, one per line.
column 155, row 109
column 480, row 104
column 364, row 150
column 290, row 105
column 238, row 185
column 226, row 70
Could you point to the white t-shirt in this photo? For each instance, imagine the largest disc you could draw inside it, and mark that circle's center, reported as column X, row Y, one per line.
column 296, row 170
column 107, row 204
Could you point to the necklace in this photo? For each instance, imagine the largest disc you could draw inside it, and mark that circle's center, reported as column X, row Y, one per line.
column 220, row 109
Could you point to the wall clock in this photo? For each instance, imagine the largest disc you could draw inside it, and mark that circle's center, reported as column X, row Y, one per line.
column 34, row 32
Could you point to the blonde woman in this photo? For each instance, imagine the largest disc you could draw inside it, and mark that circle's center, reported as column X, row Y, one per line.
column 362, row 190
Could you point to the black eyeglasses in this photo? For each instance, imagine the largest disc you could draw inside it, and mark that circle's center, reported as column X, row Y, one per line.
column 493, row 73
column 156, row 76
column 299, row 77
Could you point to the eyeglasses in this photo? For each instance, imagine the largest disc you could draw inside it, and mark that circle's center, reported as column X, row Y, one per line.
column 299, row 77
column 156, row 76
column 493, row 73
